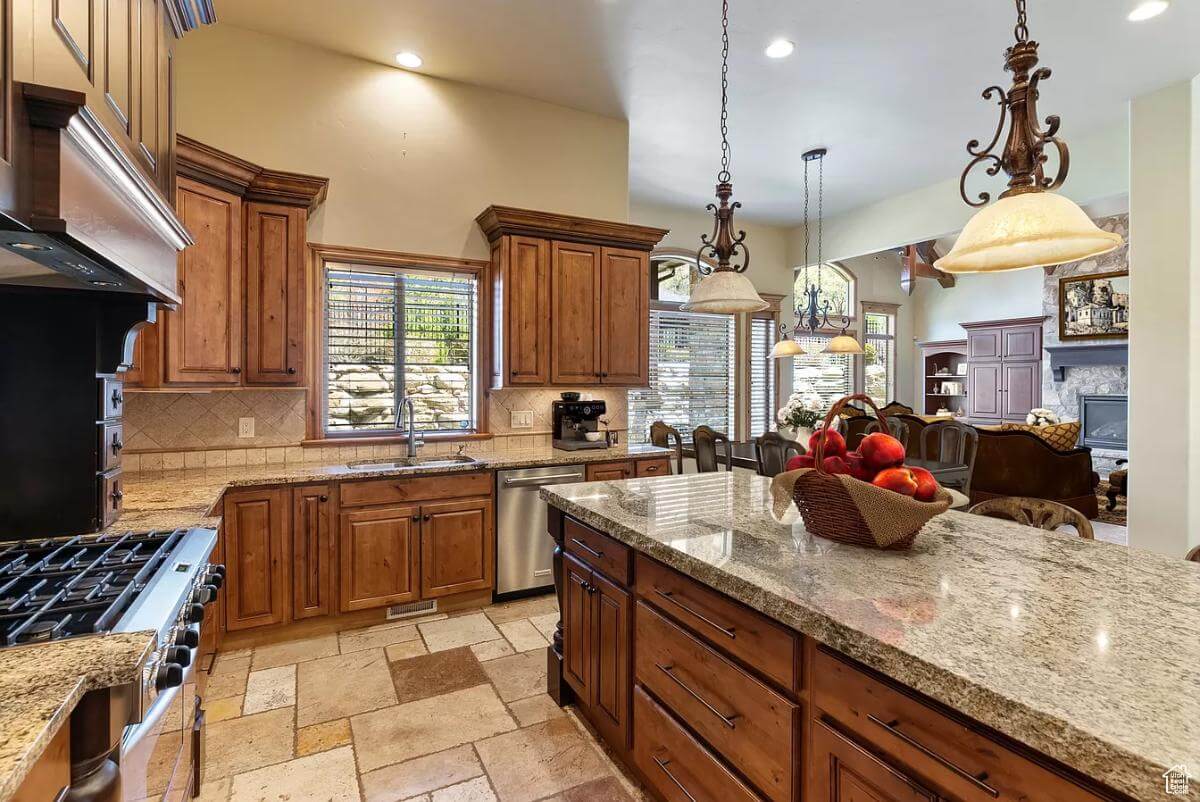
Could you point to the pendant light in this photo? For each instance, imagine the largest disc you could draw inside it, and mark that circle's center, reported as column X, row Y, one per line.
column 814, row 316
column 724, row 289
column 1030, row 225
column 785, row 347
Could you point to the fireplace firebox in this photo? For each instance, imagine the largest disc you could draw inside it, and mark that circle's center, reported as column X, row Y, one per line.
column 1105, row 420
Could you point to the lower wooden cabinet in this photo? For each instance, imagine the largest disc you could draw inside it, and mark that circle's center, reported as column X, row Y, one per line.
column 843, row 771
column 380, row 559
column 457, row 547
column 609, row 471
column 255, row 535
column 314, row 552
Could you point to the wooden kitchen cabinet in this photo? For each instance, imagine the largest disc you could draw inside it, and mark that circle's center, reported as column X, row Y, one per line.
column 458, row 547
column 1004, row 369
column 275, row 299
column 575, row 313
column 380, row 557
column 314, row 552
column 254, row 534
column 609, row 471
column 624, row 324
column 521, row 310
column 843, row 771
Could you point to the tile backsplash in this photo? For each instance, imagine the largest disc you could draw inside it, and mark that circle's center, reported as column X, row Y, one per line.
column 501, row 404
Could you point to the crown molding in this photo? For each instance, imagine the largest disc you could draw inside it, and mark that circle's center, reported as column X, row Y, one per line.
column 497, row 221
column 208, row 165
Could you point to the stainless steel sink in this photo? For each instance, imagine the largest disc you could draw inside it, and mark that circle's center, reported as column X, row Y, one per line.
column 411, row 462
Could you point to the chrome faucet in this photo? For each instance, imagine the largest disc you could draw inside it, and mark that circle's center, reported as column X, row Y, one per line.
column 415, row 440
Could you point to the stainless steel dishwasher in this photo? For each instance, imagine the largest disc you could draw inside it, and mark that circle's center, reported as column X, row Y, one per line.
column 524, row 550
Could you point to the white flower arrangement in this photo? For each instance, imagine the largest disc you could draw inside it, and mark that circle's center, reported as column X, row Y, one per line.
column 1042, row 417
column 801, row 411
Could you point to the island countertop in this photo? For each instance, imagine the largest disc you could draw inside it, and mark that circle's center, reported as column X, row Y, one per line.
column 1087, row 652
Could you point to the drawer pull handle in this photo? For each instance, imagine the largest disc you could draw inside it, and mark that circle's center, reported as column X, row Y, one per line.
column 728, row 632
column 892, row 727
column 728, row 721
column 662, row 764
column 587, row 548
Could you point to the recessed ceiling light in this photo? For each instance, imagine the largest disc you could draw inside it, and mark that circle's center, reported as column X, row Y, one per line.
column 780, row 48
column 409, row 60
column 1148, row 10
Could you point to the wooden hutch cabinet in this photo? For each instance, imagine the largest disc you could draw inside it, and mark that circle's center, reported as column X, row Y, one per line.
column 571, row 299
column 1004, row 369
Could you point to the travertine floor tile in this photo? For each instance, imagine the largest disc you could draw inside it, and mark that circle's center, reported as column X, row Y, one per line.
column 216, row 790
column 523, row 635
column 249, row 742
column 221, row 709
column 519, row 676
column 336, row 687
column 328, row 776
column 228, row 678
column 607, row 789
column 476, row 790
column 436, row 674
column 376, row 637
column 403, row 651
column 546, row 624
column 421, row 775
column 523, row 608
column 294, row 651
column 538, row 761
column 269, row 689
column 491, row 649
column 461, row 631
column 535, row 710
column 399, row 733
column 322, row 737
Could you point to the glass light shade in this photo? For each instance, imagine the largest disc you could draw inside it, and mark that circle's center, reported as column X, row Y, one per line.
column 724, row 292
column 786, row 348
column 1035, row 229
column 843, row 344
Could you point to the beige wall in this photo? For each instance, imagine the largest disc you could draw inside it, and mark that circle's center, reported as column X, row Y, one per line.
column 411, row 159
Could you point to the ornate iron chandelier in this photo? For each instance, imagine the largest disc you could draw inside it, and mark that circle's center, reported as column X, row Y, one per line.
column 724, row 288
column 1030, row 225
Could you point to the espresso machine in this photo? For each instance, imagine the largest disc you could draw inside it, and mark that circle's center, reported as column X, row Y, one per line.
column 577, row 425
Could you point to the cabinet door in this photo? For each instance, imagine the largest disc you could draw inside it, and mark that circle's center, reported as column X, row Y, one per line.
column 274, row 294
column 984, row 390
column 458, row 552
column 609, row 471
column 578, row 638
column 254, row 529
column 612, row 613
column 526, row 309
column 312, row 551
column 146, row 367
column 984, row 343
column 1022, row 388
column 204, row 336
column 379, row 557
column 1023, row 342
column 624, row 317
column 842, row 771
column 575, row 318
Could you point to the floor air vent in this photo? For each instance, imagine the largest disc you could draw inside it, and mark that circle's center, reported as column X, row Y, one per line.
column 412, row 609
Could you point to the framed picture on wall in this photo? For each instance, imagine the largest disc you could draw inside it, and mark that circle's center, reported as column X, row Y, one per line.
column 1093, row 306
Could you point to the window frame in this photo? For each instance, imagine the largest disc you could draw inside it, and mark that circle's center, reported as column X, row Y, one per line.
column 852, row 302
column 891, row 310
column 320, row 256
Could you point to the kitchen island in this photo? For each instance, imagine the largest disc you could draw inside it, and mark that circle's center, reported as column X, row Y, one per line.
column 726, row 653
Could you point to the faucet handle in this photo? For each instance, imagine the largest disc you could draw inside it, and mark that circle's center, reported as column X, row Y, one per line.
column 462, row 449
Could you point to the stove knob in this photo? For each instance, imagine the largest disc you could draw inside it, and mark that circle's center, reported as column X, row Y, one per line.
column 179, row 654
column 193, row 613
column 169, row 675
column 186, row 637
column 214, row 577
column 204, row 594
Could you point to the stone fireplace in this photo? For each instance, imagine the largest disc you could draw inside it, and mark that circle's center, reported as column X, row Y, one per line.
column 1105, row 420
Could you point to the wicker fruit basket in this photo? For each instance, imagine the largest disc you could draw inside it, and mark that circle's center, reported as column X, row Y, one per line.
column 848, row 510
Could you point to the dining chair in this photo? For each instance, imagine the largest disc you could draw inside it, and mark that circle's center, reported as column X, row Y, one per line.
column 1035, row 512
column 772, row 452
column 897, row 428
column 1194, row 555
column 705, row 440
column 661, row 435
column 957, row 444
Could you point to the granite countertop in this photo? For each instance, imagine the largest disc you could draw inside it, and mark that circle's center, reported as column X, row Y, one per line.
column 41, row 684
column 191, row 497
column 1088, row 652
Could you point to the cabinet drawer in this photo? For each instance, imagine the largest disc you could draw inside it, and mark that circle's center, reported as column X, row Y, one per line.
column 679, row 767
column 750, row 725
column 112, row 493
column 599, row 551
column 652, row 467
column 959, row 759
column 112, row 442
column 751, row 637
column 844, row 770
column 388, row 491
column 609, row 471
column 112, row 398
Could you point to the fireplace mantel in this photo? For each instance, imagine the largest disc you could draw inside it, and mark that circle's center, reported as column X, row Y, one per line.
column 1077, row 356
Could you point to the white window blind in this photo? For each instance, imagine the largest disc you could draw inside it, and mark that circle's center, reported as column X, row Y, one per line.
column 828, row 376
column 691, row 375
column 762, row 376
column 879, row 357
column 383, row 323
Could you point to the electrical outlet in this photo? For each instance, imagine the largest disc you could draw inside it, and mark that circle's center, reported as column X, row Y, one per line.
column 245, row 427
column 522, row 419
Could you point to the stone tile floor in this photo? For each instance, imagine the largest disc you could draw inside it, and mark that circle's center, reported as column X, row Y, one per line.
column 445, row 708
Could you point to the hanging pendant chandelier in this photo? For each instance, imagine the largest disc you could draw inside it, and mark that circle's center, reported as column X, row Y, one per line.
column 786, row 346
column 814, row 314
column 1030, row 225
column 724, row 288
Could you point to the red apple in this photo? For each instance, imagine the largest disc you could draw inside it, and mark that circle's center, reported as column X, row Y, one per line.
column 835, row 465
column 858, row 468
column 835, row 444
column 881, row 451
column 927, row 486
column 801, row 461
column 898, row 480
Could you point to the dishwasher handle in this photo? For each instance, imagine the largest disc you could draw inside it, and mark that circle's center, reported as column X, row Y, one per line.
column 535, row 481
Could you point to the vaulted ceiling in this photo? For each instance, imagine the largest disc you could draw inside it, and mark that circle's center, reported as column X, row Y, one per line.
column 892, row 88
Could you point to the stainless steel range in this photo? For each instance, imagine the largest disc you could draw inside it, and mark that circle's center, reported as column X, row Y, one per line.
column 134, row 582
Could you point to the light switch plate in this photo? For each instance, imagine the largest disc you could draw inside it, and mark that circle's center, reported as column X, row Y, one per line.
column 522, row 419
column 245, row 427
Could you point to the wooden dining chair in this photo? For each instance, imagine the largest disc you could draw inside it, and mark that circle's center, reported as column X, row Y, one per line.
column 1194, row 555
column 772, row 452
column 1035, row 512
column 661, row 435
column 897, row 428
column 954, row 443
column 705, row 441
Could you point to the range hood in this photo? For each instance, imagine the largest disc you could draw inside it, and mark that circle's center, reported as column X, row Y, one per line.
column 76, row 212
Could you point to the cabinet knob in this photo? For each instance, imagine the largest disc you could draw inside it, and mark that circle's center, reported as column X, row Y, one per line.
column 116, row 495
column 235, row 370
column 323, row 499
column 117, row 445
column 428, row 517
column 291, row 371
column 117, row 398
column 604, row 374
column 416, row 518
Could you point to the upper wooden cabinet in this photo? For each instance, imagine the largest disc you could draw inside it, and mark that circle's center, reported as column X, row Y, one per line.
column 243, row 289
column 571, row 299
